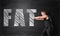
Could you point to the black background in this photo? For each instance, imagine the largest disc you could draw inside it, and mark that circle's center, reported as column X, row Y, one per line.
column 53, row 7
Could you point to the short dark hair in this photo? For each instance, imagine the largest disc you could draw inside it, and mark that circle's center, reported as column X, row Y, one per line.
column 44, row 11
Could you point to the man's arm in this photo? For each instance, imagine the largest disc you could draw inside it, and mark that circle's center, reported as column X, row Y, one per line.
column 41, row 17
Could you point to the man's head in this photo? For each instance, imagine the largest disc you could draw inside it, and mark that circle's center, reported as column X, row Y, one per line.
column 43, row 12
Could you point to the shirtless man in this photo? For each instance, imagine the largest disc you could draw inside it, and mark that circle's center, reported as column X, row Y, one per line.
column 45, row 18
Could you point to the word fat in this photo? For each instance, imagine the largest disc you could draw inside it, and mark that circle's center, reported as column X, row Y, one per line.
column 19, row 17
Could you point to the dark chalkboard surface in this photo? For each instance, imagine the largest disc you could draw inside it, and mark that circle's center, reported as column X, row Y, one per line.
column 27, row 30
